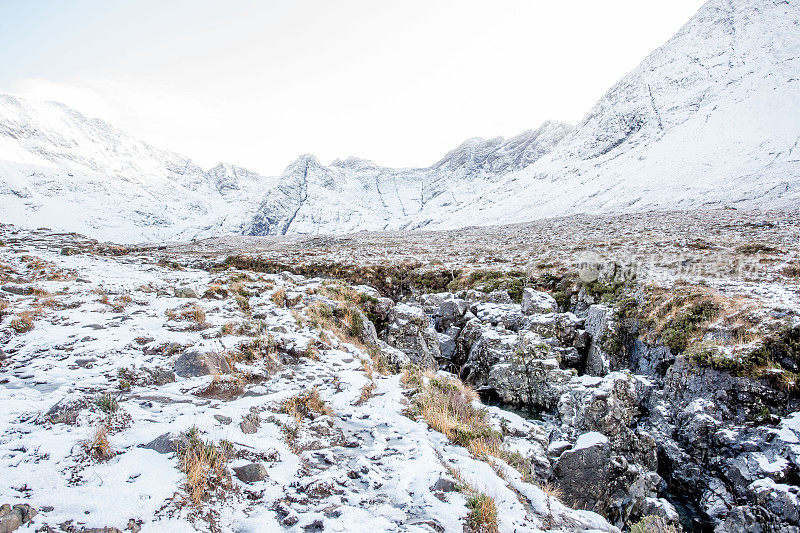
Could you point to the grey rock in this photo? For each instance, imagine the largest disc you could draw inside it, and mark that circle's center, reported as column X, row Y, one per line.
column 450, row 311
column 537, row 302
column 250, row 423
column 66, row 410
column 582, row 475
column 192, row 364
column 598, row 317
column 19, row 290
column 168, row 443
column 444, row 484
column 222, row 419
column 11, row 518
column 252, row 473
column 186, row 291
column 410, row 331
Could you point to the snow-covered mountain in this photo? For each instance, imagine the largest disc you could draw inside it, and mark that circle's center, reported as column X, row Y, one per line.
column 711, row 118
column 708, row 119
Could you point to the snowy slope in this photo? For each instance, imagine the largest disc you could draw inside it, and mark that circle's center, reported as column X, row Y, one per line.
column 708, row 119
column 63, row 170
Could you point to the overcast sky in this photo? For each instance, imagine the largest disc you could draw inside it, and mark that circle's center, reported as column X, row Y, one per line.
column 259, row 83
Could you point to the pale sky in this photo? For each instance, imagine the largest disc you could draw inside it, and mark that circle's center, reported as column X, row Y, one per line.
column 257, row 83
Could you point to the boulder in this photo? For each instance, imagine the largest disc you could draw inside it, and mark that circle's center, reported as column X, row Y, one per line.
column 11, row 518
column 252, row 473
column 186, row 291
column 449, row 312
column 582, row 473
column 536, row 302
column 598, row 318
column 410, row 331
column 168, row 443
column 192, row 364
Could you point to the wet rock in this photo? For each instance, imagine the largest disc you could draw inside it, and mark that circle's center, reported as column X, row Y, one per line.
column 409, row 331
column 537, row 302
column 192, row 364
column 252, row 473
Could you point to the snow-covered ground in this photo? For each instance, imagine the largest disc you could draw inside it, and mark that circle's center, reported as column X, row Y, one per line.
column 100, row 321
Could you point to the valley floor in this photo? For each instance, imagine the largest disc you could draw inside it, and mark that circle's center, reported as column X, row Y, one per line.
column 91, row 411
column 235, row 384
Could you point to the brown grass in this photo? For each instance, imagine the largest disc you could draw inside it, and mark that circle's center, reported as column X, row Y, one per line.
column 23, row 322
column 279, row 297
column 482, row 516
column 306, row 405
column 205, row 466
column 189, row 313
column 446, row 405
column 367, row 392
column 97, row 447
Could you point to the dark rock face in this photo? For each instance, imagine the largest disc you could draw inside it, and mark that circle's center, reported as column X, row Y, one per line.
column 193, row 364
column 409, row 331
column 661, row 425
column 583, row 474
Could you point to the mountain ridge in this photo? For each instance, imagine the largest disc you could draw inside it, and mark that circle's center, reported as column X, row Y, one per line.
column 704, row 120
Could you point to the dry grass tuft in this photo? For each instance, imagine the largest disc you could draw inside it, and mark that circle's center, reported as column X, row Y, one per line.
column 23, row 322
column 367, row 392
column 190, row 312
column 306, row 405
column 279, row 297
column 482, row 516
column 204, row 464
column 98, row 447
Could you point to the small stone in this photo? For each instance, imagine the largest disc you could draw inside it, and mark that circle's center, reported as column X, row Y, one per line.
column 167, row 443
column 251, row 473
column 250, row 423
column 222, row 419
column 444, row 484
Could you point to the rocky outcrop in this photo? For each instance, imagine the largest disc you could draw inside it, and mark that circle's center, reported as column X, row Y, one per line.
column 409, row 330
